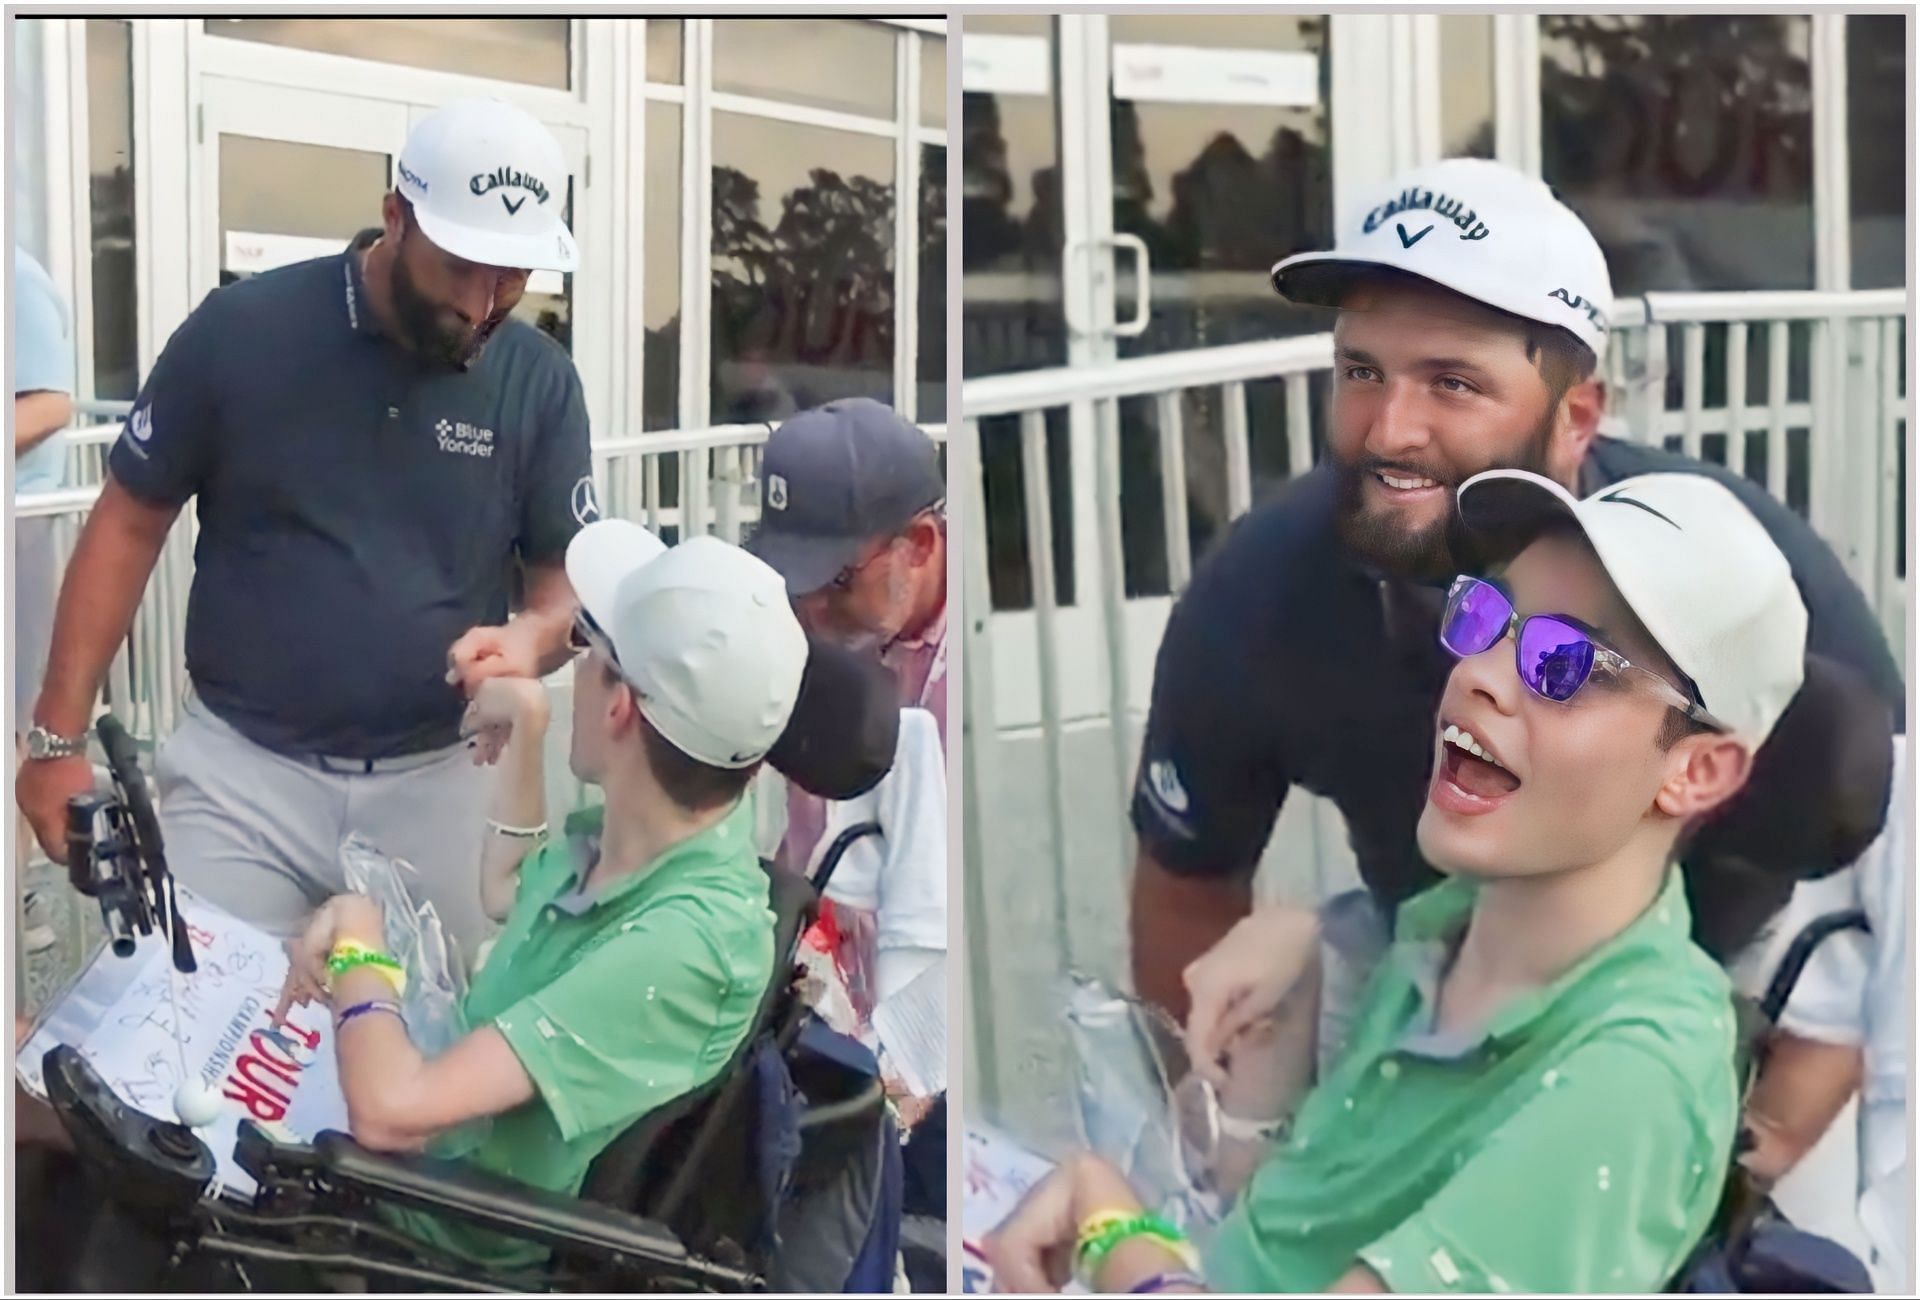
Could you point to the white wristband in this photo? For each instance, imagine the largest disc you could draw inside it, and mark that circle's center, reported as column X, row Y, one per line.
column 517, row 832
column 1253, row 1130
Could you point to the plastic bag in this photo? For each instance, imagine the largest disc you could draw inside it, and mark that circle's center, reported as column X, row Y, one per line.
column 436, row 980
column 1160, row 1135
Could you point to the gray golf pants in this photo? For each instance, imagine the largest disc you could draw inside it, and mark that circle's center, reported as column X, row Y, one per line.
column 258, row 833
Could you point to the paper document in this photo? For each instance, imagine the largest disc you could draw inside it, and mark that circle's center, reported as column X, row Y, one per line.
column 999, row 1171
column 912, row 1026
column 119, row 1014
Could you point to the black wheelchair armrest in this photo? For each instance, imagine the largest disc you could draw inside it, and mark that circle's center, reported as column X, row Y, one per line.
column 608, row 1236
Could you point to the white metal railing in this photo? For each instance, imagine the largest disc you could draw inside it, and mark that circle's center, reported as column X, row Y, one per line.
column 679, row 483
column 1824, row 430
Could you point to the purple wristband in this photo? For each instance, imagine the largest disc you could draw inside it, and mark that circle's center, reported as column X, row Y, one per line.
column 1167, row 1281
column 362, row 1008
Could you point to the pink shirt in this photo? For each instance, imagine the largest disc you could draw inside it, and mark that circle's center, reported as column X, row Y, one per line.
column 920, row 665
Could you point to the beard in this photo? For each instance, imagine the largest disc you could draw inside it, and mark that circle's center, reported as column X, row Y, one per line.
column 424, row 324
column 1429, row 552
column 870, row 631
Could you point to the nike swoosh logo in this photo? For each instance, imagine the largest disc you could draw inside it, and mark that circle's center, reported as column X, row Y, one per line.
column 513, row 208
column 1626, row 500
column 1409, row 243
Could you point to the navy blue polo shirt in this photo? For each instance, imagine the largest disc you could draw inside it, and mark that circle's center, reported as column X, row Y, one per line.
column 1287, row 663
column 359, row 508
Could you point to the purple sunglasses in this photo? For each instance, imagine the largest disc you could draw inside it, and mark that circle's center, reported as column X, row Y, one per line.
column 1555, row 656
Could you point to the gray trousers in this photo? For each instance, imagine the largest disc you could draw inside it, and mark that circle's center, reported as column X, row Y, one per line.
column 258, row 833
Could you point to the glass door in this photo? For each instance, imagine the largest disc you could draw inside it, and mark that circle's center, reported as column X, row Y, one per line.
column 1220, row 140
column 1032, row 300
column 287, row 175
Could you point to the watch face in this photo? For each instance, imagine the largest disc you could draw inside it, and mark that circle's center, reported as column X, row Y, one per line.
column 42, row 743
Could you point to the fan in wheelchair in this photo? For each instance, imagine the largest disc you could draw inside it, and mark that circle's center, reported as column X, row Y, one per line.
column 772, row 1175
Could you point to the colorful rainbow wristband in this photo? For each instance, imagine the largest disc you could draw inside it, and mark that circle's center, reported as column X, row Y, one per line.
column 348, row 955
column 1102, row 1233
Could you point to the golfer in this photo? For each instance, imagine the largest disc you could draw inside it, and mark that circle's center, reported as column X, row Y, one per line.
column 1473, row 313
column 379, row 455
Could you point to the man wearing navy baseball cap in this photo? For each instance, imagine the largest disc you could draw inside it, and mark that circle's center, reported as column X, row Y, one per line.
column 852, row 516
column 852, row 503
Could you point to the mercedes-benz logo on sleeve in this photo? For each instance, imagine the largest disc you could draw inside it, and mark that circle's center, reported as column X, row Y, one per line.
column 586, row 503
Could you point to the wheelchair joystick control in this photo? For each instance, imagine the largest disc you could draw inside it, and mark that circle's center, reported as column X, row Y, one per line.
column 145, row 1162
column 172, row 1140
column 197, row 1105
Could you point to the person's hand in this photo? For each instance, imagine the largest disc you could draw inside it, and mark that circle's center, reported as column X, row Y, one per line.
column 1243, row 979
column 43, row 788
column 1033, row 1249
column 502, row 707
column 907, row 1104
column 345, row 916
column 487, row 652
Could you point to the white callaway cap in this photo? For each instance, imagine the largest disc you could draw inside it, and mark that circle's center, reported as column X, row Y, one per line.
column 1479, row 228
column 703, row 631
column 489, row 183
column 1693, row 564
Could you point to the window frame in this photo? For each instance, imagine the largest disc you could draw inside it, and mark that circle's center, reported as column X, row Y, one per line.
column 607, row 101
column 699, row 101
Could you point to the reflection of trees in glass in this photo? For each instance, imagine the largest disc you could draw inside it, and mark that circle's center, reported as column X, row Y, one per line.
column 813, row 292
column 1879, row 144
column 989, row 230
column 1227, row 210
column 1641, row 114
column 1016, row 325
column 931, row 334
column 1675, row 104
column 116, row 364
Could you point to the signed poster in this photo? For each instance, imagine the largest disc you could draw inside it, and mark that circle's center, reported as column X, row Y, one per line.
column 122, row 1016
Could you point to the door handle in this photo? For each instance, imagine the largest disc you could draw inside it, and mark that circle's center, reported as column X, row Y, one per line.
column 1136, row 325
column 1143, row 274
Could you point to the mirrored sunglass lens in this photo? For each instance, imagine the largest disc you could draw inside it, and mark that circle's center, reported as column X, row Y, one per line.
column 1476, row 618
column 1555, row 657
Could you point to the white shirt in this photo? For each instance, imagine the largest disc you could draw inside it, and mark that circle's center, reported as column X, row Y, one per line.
column 1857, row 991
column 899, row 875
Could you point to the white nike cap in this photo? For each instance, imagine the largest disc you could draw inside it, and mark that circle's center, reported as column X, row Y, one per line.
column 1479, row 228
column 1694, row 565
column 703, row 631
column 489, row 183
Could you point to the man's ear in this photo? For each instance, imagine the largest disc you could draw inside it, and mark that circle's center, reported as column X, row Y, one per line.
column 393, row 215
column 923, row 532
column 1577, row 423
column 1703, row 772
column 623, row 711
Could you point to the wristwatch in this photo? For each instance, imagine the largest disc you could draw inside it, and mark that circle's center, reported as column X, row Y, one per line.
column 42, row 743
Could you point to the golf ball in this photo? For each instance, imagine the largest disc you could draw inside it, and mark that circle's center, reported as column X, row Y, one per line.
column 196, row 1104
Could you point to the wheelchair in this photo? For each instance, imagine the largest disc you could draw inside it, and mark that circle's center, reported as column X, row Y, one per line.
column 782, row 1173
column 1751, row 1247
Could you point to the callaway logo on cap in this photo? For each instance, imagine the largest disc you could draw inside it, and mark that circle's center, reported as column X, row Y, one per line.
column 1479, row 228
column 483, row 177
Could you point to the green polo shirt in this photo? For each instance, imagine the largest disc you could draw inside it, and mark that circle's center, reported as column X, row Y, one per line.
column 615, row 1000
column 1578, row 1143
